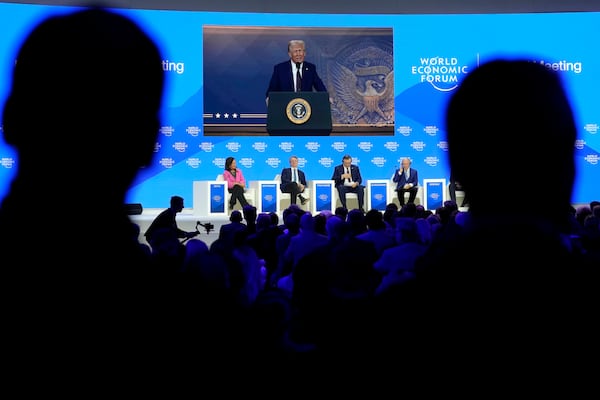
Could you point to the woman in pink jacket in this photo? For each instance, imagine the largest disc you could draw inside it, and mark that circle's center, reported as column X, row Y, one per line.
column 236, row 183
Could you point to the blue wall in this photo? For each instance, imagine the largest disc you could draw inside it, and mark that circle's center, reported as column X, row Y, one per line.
column 207, row 54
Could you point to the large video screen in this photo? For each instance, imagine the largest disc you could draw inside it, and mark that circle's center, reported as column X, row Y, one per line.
column 218, row 66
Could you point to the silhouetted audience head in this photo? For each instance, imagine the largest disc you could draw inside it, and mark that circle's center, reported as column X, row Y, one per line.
column 274, row 218
column 511, row 137
column 263, row 221
column 326, row 213
column 69, row 77
column 374, row 220
column 451, row 205
column 406, row 230
column 341, row 212
column 292, row 223
column 510, row 123
column 250, row 214
column 390, row 213
column 74, row 110
column 581, row 213
column 421, row 212
column 307, row 223
column 320, row 222
column 356, row 221
column 236, row 216
column 293, row 208
column 408, row 210
column 337, row 229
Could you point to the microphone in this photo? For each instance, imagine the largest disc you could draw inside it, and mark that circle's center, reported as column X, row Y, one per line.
column 298, row 65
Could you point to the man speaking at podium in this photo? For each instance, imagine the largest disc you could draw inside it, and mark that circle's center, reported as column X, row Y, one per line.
column 295, row 75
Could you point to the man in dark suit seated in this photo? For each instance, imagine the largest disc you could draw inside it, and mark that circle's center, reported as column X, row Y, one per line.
column 407, row 180
column 348, row 179
column 295, row 74
column 293, row 181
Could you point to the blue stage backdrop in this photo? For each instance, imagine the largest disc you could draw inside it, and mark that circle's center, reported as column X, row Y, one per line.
column 390, row 77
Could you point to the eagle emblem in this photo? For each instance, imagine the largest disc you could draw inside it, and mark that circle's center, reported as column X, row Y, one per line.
column 364, row 90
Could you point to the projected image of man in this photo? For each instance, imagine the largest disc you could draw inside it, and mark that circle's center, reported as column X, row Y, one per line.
column 295, row 74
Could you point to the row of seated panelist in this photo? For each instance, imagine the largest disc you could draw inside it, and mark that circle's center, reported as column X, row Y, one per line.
column 212, row 197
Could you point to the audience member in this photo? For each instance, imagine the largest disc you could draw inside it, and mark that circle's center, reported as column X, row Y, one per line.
column 79, row 287
column 341, row 212
column 397, row 263
column 275, row 221
column 234, row 232
column 300, row 245
column 136, row 231
column 320, row 222
column 510, row 274
column 377, row 232
column 292, row 228
column 356, row 222
column 263, row 242
column 389, row 216
column 249, row 212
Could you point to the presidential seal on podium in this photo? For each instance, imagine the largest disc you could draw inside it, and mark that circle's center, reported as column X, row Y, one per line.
column 298, row 110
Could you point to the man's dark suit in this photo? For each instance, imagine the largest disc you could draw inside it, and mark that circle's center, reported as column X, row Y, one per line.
column 282, row 79
column 342, row 190
column 288, row 186
column 400, row 179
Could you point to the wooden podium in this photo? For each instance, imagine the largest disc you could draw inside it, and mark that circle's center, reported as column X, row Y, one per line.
column 299, row 114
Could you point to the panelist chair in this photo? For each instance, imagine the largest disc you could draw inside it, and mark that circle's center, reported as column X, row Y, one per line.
column 394, row 194
column 285, row 199
column 351, row 200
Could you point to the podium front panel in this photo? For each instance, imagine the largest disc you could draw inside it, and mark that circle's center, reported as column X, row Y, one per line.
column 299, row 113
